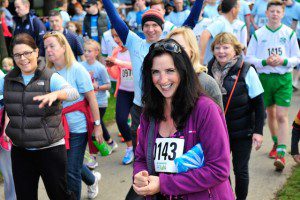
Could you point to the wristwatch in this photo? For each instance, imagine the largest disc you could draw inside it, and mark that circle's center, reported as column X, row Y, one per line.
column 97, row 122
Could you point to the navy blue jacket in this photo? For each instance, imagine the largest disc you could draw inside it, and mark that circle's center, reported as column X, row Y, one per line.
column 34, row 27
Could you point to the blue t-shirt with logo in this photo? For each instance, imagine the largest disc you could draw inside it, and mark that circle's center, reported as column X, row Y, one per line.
column 98, row 73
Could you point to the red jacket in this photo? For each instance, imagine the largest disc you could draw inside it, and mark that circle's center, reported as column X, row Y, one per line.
column 81, row 106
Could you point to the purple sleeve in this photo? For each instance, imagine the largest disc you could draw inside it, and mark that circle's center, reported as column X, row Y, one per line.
column 140, row 162
column 116, row 21
column 193, row 17
column 211, row 126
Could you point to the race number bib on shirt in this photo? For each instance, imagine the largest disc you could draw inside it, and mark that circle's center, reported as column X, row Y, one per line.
column 165, row 152
column 126, row 74
column 262, row 21
column 94, row 31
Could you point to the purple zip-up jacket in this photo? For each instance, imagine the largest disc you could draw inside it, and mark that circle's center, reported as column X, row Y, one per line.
column 206, row 125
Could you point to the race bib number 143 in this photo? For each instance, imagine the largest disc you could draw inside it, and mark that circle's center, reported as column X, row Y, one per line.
column 165, row 152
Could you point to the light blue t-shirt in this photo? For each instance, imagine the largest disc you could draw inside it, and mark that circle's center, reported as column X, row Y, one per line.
column 244, row 10
column 138, row 49
column 178, row 18
column 57, row 82
column 100, row 75
column 220, row 25
column 291, row 13
column 259, row 11
column 253, row 83
column 79, row 78
column 138, row 19
column 211, row 11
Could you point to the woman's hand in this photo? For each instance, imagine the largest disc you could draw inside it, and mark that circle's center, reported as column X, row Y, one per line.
column 98, row 134
column 152, row 188
column 257, row 140
column 141, row 179
column 46, row 99
column 109, row 61
column 5, row 137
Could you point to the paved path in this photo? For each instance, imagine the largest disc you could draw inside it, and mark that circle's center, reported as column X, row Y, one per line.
column 264, row 181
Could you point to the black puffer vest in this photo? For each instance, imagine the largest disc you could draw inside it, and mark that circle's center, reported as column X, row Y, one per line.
column 102, row 24
column 240, row 115
column 30, row 126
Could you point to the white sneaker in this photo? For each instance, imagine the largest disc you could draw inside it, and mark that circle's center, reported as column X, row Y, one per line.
column 129, row 156
column 94, row 189
column 92, row 162
column 113, row 146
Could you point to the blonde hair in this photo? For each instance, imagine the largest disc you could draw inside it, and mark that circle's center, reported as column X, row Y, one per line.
column 95, row 45
column 8, row 62
column 191, row 40
column 227, row 38
column 69, row 56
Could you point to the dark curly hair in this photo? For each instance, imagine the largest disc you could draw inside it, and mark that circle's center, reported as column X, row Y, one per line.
column 187, row 93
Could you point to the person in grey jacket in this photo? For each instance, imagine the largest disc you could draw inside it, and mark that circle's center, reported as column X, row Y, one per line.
column 186, row 38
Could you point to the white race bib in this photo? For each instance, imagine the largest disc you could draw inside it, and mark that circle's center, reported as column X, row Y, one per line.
column 94, row 31
column 262, row 21
column 165, row 152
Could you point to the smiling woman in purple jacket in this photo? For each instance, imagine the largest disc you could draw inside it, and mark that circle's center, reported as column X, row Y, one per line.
column 183, row 117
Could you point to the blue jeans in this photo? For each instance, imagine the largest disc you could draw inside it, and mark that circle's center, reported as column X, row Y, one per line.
column 76, row 170
column 5, row 168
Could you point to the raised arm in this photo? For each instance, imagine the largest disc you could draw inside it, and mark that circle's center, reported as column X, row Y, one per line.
column 116, row 21
column 192, row 19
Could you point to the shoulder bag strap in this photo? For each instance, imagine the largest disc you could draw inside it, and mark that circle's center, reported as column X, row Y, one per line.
column 236, row 80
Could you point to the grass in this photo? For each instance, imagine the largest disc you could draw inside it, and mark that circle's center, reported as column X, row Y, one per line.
column 291, row 189
column 109, row 116
column 111, row 108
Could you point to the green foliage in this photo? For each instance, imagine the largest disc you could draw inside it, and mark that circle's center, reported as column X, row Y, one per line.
column 291, row 190
column 109, row 116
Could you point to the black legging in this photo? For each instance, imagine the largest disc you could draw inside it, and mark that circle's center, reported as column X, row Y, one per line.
column 106, row 135
column 241, row 150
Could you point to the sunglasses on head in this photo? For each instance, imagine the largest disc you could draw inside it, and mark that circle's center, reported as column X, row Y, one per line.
column 168, row 46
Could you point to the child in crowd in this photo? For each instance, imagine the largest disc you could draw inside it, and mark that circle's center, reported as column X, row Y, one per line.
column 7, row 65
column 76, row 28
column 119, row 67
column 295, row 138
column 101, row 83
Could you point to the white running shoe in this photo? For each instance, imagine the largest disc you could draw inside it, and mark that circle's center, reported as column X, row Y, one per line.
column 94, row 189
column 113, row 146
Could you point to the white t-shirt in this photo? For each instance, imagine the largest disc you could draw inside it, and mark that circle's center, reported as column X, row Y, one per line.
column 240, row 31
column 168, row 27
column 126, row 76
column 107, row 44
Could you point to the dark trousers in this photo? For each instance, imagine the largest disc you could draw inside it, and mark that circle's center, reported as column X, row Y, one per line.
column 123, row 105
column 106, row 135
column 241, row 150
column 50, row 164
column 135, row 113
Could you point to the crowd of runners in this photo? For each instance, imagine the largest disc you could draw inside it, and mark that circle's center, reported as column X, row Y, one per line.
column 195, row 82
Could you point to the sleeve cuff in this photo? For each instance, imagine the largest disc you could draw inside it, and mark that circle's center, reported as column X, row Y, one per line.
column 264, row 62
column 285, row 62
